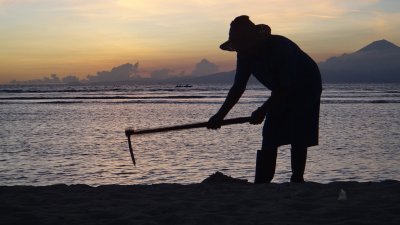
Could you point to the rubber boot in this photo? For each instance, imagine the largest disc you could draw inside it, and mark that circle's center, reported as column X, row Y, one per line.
column 265, row 166
column 298, row 160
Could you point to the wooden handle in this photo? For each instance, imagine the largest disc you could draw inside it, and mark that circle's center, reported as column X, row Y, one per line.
column 129, row 132
column 238, row 120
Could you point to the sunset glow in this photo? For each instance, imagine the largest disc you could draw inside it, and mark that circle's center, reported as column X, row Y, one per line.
column 71, row 37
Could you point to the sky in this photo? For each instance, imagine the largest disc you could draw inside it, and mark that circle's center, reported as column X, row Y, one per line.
column 74, row 37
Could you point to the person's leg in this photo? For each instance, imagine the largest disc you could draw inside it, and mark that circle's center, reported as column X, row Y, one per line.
column 275, row 127
column 298, row 160
column 265, row 165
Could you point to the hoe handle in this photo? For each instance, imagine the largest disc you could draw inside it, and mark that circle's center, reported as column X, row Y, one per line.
column 129, row 132
column 238, row 120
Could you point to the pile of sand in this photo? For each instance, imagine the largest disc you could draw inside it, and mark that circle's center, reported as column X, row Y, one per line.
column 219, row 177
column 218, row 200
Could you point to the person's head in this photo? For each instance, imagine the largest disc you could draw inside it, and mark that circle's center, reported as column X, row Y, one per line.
column 244, row 34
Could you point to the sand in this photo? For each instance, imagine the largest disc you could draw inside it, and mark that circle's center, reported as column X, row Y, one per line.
column 217, row 200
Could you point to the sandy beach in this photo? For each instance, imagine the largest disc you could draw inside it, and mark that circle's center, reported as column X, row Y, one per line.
column 214, row 201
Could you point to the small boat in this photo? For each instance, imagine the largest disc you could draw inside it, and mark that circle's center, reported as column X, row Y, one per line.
column 183, row 85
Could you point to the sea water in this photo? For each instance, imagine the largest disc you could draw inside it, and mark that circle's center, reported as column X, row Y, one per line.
column 75, row 134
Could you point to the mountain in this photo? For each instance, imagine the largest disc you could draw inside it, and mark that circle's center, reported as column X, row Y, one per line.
column 222, row 77
column 382, row 45
column 378, row 62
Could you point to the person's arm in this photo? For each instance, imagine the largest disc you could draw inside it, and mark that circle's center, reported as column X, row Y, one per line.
column 273, row 104
column 232, row 98
column 236, row 91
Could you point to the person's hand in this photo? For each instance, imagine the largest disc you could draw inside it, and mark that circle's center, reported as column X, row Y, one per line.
column 215, row 122
column 257, row 116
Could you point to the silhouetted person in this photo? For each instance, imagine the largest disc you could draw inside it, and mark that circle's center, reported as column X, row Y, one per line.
column 292, row 111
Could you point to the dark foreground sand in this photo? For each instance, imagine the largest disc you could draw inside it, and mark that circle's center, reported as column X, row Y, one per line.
column 218, row 201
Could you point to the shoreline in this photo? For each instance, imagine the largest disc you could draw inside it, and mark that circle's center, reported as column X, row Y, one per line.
column 217, row 202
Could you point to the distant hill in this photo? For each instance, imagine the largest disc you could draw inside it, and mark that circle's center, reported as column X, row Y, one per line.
column 378, row 62
column 217, row 78
column 222, row 77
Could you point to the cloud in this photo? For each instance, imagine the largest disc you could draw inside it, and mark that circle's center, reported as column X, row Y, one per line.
column 70, row 79
column 204, row 67
column 53, row 79
column 120, row 73
column 161, row 73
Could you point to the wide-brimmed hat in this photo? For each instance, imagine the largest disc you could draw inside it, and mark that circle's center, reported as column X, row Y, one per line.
column 243, row 29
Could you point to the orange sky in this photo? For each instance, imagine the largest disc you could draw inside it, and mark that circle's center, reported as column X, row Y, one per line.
column 71, row 37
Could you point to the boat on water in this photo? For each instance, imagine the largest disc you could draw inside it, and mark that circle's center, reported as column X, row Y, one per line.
column 183, row 85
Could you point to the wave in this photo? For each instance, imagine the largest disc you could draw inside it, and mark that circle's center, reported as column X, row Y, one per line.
column 114, row 97
column 98, row 89
column 361, row 101
column 190, row 101
column 61, row 102
column 20, row 91
column 116, row 103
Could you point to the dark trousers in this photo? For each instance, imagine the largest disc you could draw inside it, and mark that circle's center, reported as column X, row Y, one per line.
column 266, row 164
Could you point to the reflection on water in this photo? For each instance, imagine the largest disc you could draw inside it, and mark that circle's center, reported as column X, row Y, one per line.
column 43, row 141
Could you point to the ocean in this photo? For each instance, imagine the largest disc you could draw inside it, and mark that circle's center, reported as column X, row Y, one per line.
column 75, row 135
